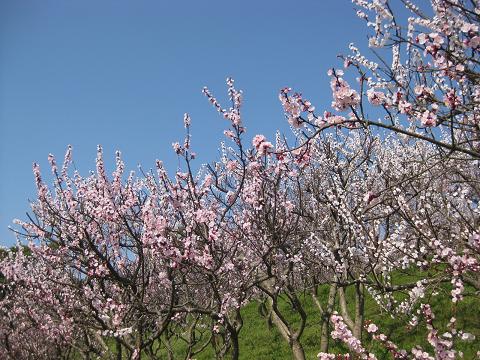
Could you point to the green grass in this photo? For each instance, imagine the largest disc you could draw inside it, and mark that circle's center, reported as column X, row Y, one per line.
column 260, row 342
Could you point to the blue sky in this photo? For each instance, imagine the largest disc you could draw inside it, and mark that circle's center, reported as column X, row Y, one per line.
column 122, row 73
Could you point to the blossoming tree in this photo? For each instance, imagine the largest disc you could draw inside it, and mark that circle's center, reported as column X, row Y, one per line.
column 384, row 183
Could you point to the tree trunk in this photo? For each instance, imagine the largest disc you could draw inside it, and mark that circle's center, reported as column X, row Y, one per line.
column 297, row 349
column 325, row 314
column 235, row 345
column 359, row 310
column 234, row 325
column 344, row 308
column 118, row 346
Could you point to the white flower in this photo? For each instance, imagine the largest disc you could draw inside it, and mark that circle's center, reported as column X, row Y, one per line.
column 372, row 328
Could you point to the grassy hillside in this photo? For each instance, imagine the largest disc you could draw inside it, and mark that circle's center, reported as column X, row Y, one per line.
column 260, row 342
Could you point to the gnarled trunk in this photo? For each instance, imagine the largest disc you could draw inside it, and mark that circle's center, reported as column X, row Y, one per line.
column 325, row 314
column 292, row 338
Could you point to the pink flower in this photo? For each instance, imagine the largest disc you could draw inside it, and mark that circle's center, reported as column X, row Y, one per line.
column 229, row 134
column 257, row 140
column 261, row 144
column 422, row 38
column 474, row 240
column 418, row 89
column 230, row 197
column 333, row 119
column 467, row 28
column 325, row 356
column 474, row 42
column 343, row 333
column 231, row 165
column 208, row 180
column 404, row 107
column 436, row 38
column 368, row 197
column 176, row 147
column 295, row 122
column 372, row 328
column 376, row 98
column 343, row 95
column 289, row 206
column 265, row 147
column 428, row 118
column 451, row 100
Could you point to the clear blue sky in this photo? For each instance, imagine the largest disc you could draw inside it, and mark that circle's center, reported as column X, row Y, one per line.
column 122, row 73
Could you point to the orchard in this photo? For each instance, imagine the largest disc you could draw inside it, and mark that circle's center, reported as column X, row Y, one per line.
column 374, row 200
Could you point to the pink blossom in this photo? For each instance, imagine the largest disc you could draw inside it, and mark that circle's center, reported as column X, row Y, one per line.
column 230, row 197
column 334, row 119
column 428, row 118
column 474, row 42
column 422, row 38
column 372, row 328
column 176, row 147
column 343, row 95
column 295, row 122
column 344, row 334
column 231, row 165
column 325, row 356
column 261, row 144
column 436, row 38
column 257, row 140
column 467, row 28
column 229, row 134
column 451, row 100
column 405, row 107
column 376, row 98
